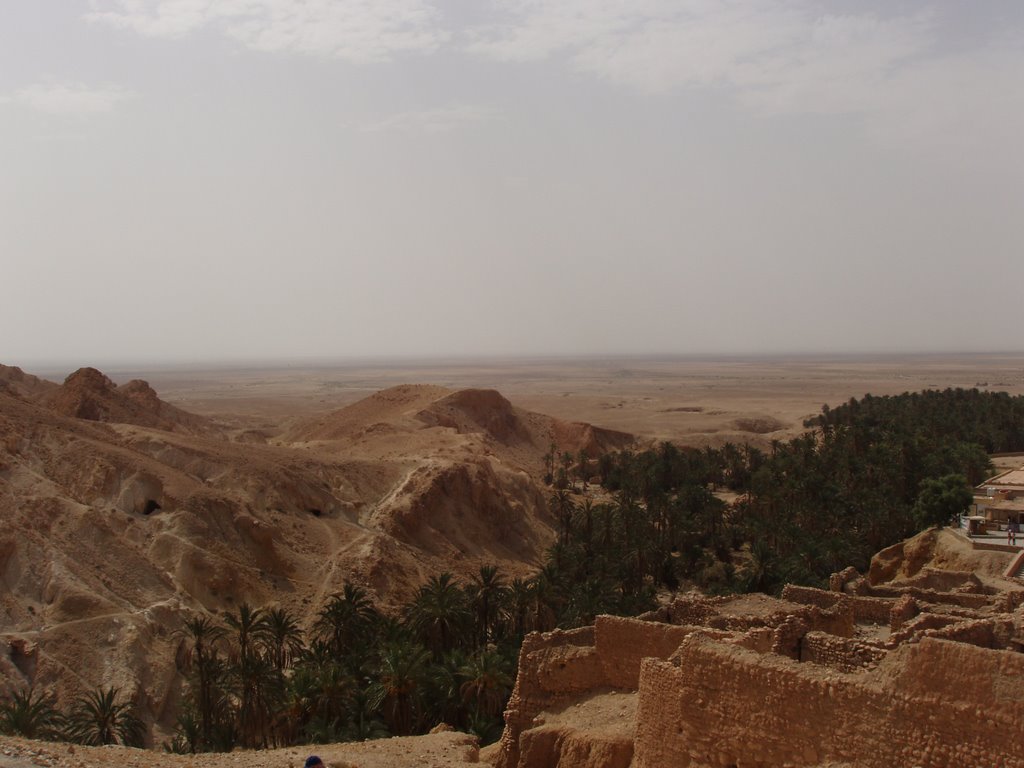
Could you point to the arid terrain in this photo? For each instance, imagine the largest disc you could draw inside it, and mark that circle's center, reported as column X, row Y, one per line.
column 134, row 499
column 692, row 401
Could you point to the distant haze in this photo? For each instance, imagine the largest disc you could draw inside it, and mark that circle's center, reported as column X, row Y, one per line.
column 266, row 179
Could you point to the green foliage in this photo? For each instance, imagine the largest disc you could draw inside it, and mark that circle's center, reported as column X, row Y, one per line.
column 872, row 472
column 942, row 499
column 30, row 715
column 992, row 420
column 97, row 718
column 361, row 676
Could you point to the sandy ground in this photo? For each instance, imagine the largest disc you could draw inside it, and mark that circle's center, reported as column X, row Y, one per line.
column 442, row 750
column 603, row 713
column 693, row 401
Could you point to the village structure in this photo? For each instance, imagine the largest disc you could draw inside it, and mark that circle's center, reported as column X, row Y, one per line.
column 998, row 503
column 907, row 665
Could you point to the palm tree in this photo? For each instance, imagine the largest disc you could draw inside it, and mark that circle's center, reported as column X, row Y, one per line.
column 400, row 677
column 487, row 682
column 249, row 625
column 439, row 614
column 187, row 738
column 363, row 723
column 319, row 700
column 545, row 601
column 564, row 509
column 441, row 700
column 549, row 464
column 346, row 622
column 520, row 599
column 29, row 715
column 258, row 689
column 282, row 638
column 202, row 661
column 486, row 596
column 583, row 467
column 98, row 718
column 250, row 674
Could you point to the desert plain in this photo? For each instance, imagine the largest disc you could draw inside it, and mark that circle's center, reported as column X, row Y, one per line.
column 690, row 400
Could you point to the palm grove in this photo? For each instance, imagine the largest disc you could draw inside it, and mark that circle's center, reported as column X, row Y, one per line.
column 863, row 476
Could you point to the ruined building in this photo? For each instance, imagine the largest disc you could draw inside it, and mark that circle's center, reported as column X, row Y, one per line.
column 922, row 670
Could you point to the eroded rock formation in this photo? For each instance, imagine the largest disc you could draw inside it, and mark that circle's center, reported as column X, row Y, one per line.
column 123, row 516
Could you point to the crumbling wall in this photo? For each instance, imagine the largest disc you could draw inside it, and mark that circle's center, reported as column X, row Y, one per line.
column 1008, row 602
column 722, row 705
column 920, row 624
column 902, row 611
column 560, row 666
column 623, row 643
column 553, row 667
column 694, row 610
column 839, row 653
column 961, row 599
column 847, row 580
column 865, row 609
column 811, row 596
column 979, row 632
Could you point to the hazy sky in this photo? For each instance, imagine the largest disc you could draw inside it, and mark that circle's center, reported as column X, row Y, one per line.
column 196, row 180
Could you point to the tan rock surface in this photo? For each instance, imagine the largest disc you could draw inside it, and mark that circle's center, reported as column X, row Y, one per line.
column 442, row 750
column 939, row 548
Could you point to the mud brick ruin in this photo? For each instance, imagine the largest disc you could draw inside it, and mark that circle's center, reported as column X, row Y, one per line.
column 925, row 672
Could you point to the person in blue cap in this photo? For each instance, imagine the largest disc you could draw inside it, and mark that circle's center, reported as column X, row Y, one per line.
column 314, row 762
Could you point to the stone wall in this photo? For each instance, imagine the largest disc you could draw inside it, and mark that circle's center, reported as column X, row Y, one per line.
column 825, row 614
column 714, row 686
column 553, row 667
column 867, row 609
column 960, row 599
column 839, row 653
column 623, row 643
column 980, row 632
column 811, row 596
column 722, row 705
column 920, row 624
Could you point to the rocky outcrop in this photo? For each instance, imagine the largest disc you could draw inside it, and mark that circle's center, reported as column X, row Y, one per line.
column 467, row 506
column 477, row 410
column 89, row 394
column 16, row 382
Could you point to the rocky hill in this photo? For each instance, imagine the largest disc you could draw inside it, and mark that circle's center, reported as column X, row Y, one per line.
column 88, row 394
column 15, row 381
column 123, row 516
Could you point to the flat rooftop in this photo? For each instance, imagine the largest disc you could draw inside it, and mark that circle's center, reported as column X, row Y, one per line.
column 1010, row 477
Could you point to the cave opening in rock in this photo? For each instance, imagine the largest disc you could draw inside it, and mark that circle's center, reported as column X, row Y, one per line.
column 151, row 506
column 315, row 512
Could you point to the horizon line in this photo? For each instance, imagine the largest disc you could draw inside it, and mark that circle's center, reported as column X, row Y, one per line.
column 53, row 365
